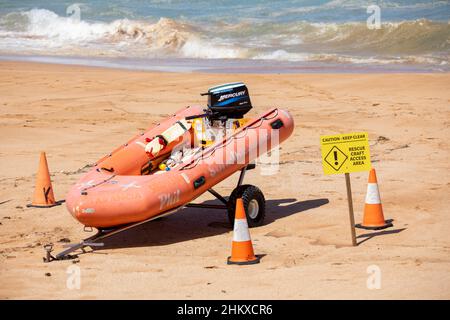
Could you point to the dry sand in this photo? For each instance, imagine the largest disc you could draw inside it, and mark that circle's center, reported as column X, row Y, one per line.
column 78, row 114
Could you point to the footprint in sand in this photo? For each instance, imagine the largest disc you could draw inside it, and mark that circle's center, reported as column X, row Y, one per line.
column 321, row 242
column 289, row 262
column 278, row 234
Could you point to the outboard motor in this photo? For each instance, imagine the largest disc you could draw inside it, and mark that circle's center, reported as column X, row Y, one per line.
column 230, row 100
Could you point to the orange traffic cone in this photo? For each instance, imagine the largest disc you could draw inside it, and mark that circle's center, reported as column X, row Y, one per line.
column 373, row 211
column 242, row 248
column 43, row 191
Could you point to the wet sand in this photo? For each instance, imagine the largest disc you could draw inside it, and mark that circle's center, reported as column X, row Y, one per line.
column 78, row 114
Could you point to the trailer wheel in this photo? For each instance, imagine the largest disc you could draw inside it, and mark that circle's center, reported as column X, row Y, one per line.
column 254, row 205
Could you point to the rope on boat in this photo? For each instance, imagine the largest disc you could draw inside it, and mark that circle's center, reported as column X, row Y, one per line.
column 235, row 137
column 97, row 184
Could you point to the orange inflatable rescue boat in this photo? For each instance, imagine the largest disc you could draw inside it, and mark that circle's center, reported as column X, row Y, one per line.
column 173, row 163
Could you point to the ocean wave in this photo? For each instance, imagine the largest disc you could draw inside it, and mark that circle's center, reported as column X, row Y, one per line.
column 282, row 55
column 361, row 5
column 407, row 37
column 41, row 30
column 44, row 32
column 45, row 24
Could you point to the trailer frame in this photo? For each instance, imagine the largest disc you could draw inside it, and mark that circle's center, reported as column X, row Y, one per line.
column 101, row 234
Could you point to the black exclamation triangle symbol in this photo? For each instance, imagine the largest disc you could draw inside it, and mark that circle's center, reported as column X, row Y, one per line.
column 335, row 158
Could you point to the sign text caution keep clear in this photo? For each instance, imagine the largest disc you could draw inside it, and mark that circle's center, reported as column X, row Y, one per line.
column 345, row 153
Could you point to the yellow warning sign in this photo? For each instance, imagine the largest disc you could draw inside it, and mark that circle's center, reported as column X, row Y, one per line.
column 345, row 153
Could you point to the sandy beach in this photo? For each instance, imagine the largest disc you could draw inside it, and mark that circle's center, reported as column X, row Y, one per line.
column 78, row 114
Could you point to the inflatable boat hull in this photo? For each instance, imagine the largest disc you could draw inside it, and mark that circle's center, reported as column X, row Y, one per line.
column 115, row 193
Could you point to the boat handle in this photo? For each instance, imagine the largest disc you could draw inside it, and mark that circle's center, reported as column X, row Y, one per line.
column 277, row 124
column 199, row 182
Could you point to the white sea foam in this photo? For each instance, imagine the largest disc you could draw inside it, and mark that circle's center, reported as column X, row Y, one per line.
column 282, row 55
column 45, row 23
column 204, row 49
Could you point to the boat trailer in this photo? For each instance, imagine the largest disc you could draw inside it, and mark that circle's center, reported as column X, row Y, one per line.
column 94, row 241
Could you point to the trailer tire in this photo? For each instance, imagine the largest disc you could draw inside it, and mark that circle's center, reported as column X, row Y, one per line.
column 254, row 205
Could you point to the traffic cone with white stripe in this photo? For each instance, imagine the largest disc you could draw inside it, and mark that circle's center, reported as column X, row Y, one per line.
column 242, row 247
column 373, row 211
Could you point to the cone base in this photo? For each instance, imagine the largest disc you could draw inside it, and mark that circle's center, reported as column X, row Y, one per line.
column 57, row 203
column 387, row 224
column 253, row 261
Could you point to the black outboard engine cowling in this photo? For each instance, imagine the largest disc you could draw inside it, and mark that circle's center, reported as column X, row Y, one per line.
column 230, row 100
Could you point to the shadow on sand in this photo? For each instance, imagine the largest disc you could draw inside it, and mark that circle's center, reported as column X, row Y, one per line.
column 368, row 236
column 193, row 223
